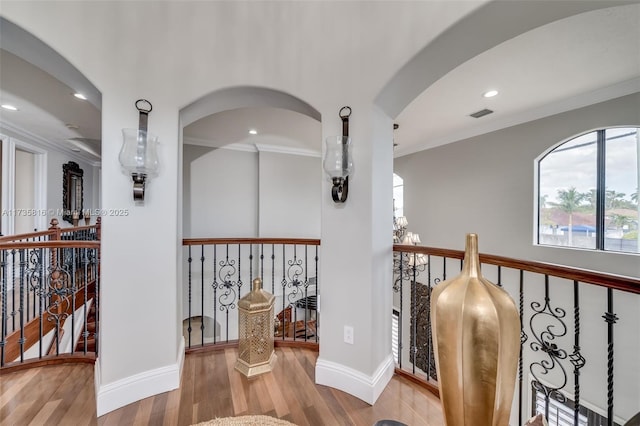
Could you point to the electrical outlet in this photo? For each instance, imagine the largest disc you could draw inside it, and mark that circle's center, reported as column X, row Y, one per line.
column 348, row 334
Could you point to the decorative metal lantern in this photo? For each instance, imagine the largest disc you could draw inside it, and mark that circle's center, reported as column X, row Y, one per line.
column 256, row 325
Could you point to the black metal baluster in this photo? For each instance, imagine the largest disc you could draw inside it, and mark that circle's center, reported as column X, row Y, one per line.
column 34, row 291
column 444, row 268
column 189, row 262
column 13, row 287
column 273, row 268
column 250, row 263
column 3, row 270
column 544, row 341
column 201, row 294
column 239, row 273
column 576, row 358
column 414, row 316
column 27, row 289
column 215, row 290
column 85, row 267
column 96, row 267
column 401, row 267
column 306, row 287
column 73, row 297
column 294, row 282
column 58, row 293
column 22, row 285
column 284, row 287
column 41, row 293
column 262, row 262
column 499, row 276
column 523, row 339
column 317, row 298
column 226, row 281
column 430, row 371
column 611, row 318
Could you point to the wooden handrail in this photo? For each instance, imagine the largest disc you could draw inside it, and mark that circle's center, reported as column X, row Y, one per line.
column 212, row 241
column 18, row 245
column 47, row 233
column 617, row 282
column 54, row 232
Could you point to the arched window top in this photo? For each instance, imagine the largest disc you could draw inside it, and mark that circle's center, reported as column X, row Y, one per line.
column 587, row 189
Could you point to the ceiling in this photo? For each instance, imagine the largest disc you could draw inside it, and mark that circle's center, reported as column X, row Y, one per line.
column 577, row 61
column 48, row 111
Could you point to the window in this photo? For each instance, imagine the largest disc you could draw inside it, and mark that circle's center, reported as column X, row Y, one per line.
column 561, row 413
column 398, row 196
column 395, row 319
column 588, row 192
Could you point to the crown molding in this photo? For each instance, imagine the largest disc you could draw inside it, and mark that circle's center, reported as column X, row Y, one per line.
column 258, row 147
column 245, row 147
column 287, row 150
column 18, row 132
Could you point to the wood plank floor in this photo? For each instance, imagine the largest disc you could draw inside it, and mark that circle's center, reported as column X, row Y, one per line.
column 64, row 395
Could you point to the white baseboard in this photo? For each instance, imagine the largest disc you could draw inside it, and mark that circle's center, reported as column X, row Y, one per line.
column 354, row 382
column 122, row 392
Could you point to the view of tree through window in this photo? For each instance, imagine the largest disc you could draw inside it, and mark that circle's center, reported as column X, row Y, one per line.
column 588, row 192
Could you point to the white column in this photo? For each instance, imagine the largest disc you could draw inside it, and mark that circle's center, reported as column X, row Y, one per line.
column 141, row 346
column 356, row 261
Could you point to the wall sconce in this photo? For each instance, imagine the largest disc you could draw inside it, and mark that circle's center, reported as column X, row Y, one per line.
column 139, row 156
column 338, row 161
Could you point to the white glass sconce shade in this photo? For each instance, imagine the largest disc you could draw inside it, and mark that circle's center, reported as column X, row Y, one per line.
column 139, row 153
column 338, row 160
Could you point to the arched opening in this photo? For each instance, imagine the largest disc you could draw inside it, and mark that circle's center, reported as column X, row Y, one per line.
column 51, row 118
column 251, row 168
column 49, row 124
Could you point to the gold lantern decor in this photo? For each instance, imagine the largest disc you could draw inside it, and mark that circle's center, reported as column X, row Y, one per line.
column 255, row 345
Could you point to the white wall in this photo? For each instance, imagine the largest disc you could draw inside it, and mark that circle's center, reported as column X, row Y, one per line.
column 224, row 194
column 189, row 154
column 230, row 193
column 289, row 195
column 486, row 185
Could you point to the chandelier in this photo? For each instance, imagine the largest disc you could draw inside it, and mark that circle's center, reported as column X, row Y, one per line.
column 406, row 266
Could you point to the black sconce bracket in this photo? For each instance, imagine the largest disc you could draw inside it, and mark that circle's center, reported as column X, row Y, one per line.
column 340, row 188
column 144, row 107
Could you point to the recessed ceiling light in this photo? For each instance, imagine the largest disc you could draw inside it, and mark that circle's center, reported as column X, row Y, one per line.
column 9, row 107
column 490, row 93
column 253, row 132
column 80, row 96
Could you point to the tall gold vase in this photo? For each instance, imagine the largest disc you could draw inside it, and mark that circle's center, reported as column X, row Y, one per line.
column 476, row 330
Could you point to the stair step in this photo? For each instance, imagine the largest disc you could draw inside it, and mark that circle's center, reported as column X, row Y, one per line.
column 91, row 344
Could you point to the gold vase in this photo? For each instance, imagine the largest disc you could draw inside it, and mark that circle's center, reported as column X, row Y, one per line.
column 476, row 330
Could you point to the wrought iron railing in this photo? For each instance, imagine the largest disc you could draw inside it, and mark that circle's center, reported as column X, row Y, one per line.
column 218, row 272
column 49, row 287
column 555, row 361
